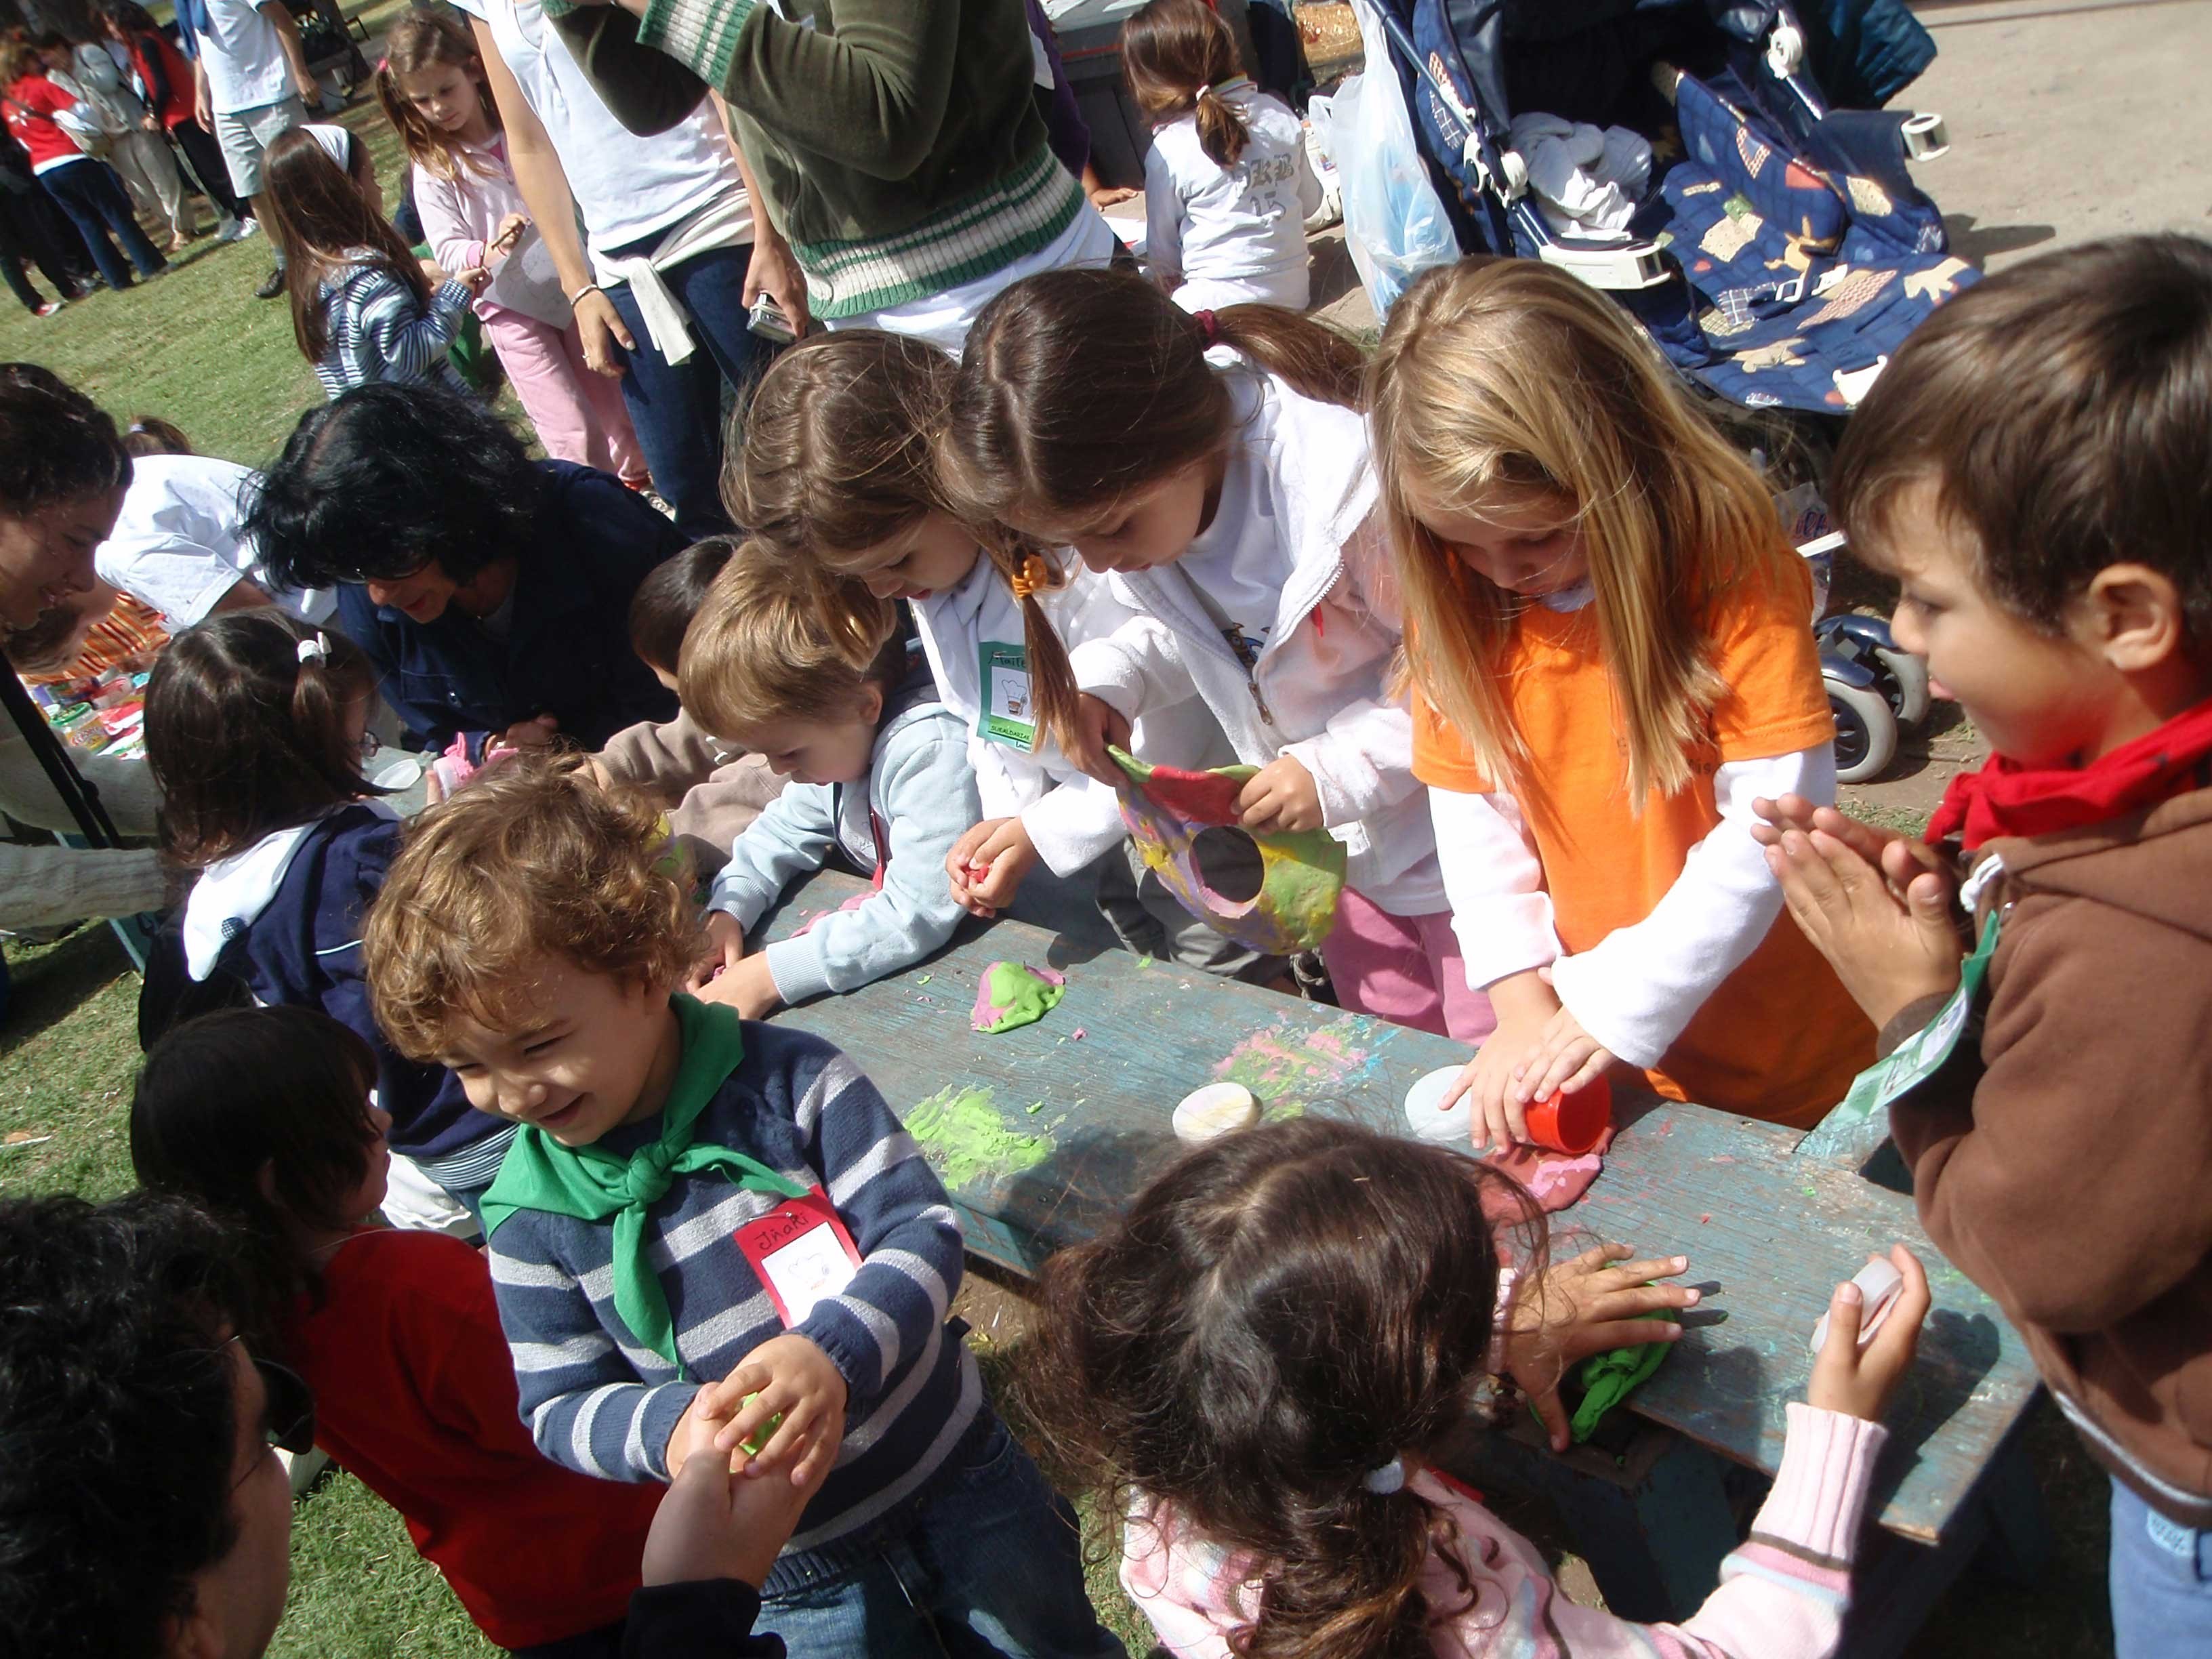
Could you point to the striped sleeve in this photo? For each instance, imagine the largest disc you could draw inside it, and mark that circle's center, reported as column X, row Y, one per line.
column 901, row 1221
column 405, row 335
column 580, row 1392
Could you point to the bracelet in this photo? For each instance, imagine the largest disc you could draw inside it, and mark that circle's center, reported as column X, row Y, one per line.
column 588, row 288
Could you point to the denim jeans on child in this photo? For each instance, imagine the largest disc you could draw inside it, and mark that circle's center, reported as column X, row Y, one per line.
column 2162, row 1587
column 991, row 1566
column 676, row 408
column 91, row 195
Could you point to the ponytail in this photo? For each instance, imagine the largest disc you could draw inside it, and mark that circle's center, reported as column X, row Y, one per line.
column 1029, row 572
column 1222, row 131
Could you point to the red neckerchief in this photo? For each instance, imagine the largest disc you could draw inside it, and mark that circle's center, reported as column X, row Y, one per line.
column 2006, row 798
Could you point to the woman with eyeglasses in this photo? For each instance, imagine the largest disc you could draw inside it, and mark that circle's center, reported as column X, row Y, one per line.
column 265, row 1116
column 255, row 729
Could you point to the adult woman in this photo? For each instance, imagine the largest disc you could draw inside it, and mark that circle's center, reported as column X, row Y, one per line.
column 63, row 476
column 491, row 591
column 41, row 114
column 166, row 76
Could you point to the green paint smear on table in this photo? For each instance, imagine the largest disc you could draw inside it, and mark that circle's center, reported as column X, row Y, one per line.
column 965, row 1140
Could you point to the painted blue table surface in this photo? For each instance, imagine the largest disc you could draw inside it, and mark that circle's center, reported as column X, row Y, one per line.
column 1069, row 1116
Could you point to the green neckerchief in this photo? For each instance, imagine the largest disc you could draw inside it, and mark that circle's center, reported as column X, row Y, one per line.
column 591, row 1183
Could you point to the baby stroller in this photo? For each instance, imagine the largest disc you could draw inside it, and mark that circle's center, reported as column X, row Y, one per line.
column 1775, row 248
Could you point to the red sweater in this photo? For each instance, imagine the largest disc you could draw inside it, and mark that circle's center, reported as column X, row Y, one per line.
column 415, row 1393
column 168, row 78
column 31, row 103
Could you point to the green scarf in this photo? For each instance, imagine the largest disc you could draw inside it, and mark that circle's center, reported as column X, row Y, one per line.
column 590, row 1183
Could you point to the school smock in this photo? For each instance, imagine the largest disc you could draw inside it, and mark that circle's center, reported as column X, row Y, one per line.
column 179, row 544
column 285, row 915
column 1315, row 678
column 415, row 1394
column 898, row 823
column 1238, row 230
column 1778, row 1038
column 566, row 650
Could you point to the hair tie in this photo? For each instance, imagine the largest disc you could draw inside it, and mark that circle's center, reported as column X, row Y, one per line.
column 315, row 650
column 1388, row 1478
column 1209, row 328
column 1031, row 577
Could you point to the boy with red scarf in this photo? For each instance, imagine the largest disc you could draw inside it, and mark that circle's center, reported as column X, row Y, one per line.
column 2035, row 468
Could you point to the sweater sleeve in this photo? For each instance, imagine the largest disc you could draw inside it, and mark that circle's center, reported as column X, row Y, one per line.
column 148, row 57
column 1074, row 824
column 407, row 336
column 1501, row 914
column 870, row 96
column 700, row 1619
column 2045, row 1121
column 901, row 1221
column 430, row 723
column 46, row 886
column 1638, row 987
column 577, row 1391
column 666, row 759
column 125, row 787
column 795, row 832
column 1362, row 760
column 1162, row 215
column 445, row 225
column 927, row 793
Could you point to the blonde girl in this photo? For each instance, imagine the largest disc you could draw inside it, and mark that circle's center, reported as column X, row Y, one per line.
column 1610, row 639
column 840, row 475
column 1213, row 467
column 1227, row 184
column 432, row 86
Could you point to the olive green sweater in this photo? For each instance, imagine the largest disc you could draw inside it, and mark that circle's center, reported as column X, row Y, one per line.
column 896, row 141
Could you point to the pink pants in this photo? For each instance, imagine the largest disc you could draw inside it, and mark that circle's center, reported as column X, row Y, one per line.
column 580, row 415
column 1406, row 969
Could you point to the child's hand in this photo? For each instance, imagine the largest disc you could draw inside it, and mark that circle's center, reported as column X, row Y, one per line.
column 726, row 949
column 1565, row 1057
column 504, row 239
column 536, row 733
column 1589, row 1305
column 786, row 1375
column 1888, row 953
column 747, row 987
column 1280, row 797
column 1525, row 1005
column 712, row 1526
column 1096, row 725
column 988, row 863
column 1870, row 841
column 1856, row 1382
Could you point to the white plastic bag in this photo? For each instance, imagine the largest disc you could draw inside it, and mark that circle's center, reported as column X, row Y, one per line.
column 1395, row 225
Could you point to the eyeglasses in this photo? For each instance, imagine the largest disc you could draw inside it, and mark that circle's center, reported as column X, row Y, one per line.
column 288, row 1409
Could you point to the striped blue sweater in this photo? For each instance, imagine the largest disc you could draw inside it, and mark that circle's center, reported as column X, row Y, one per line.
column 375, row 329
column 601, row 1404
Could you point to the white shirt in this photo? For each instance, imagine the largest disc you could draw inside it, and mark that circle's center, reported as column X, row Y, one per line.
column 626, row 188
column 177, row 545
column 1243, row 225
column 244, row 57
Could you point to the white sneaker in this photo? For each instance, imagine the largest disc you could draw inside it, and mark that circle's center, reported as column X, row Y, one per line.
column 231, row 230
column 247, row 228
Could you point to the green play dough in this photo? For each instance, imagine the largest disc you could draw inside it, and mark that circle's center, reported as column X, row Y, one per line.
column 1609, row 1378
column 965, row 1140
column 756, row 1442
column 1012, row 994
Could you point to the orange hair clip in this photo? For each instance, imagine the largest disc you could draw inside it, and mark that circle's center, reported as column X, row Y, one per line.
column 1031, row 577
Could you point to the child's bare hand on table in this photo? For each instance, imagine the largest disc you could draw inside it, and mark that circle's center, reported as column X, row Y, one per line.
column 988, row 863
column 1889, row 951
column 1565, row 1057
column 1526, row 1005
column 789, row 1375
column 1859, row 1381
column 1575, row 1309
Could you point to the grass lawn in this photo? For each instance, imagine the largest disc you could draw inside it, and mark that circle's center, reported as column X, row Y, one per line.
column 198, row 349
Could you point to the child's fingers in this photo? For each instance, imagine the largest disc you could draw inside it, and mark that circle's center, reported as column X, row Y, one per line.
column 1603, row 1336
column 1617, row 1276
column 1835, row 1368
column 1553, row 1416
column 1459, row 1085
column 1900, row 1335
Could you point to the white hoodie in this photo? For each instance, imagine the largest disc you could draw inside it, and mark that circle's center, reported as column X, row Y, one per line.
column 1319, row 689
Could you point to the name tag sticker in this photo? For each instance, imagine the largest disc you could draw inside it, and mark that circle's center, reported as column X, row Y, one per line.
column 1009, row 713
column 1922, row 1055
column 801, row 1254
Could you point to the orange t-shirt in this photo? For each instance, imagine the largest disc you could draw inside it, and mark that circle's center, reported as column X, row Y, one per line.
column 1778, row 1039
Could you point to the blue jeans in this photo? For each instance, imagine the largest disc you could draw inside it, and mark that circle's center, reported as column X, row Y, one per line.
column 678, row 408
column 90, row 193
column 2161, row 1583
column 992, row 1566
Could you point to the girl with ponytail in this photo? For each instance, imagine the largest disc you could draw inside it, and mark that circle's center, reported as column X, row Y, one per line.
column 256, row 730
column 1213, row 467
column 1228, row 186
column 1261, row 1365
column 839, row 475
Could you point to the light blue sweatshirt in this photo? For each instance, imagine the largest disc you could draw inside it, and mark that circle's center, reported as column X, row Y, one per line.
column 918, row 798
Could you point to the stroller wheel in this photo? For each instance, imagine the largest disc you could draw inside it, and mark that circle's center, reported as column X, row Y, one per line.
column 1866, row 731
column 1907, row 682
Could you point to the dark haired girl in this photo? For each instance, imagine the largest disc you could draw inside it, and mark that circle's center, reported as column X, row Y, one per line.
column 363, row 307
column 1228, row 186
column 255, row 728
column 265, row 1116
column 1260, row 1365
column 490, row 591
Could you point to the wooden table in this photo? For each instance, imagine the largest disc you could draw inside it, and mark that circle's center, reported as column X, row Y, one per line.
column 1068, row 1117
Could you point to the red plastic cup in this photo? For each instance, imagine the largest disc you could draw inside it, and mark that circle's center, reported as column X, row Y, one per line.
column 1572, row 1123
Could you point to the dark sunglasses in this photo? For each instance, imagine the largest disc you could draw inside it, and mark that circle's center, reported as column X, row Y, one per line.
column 287, row 1408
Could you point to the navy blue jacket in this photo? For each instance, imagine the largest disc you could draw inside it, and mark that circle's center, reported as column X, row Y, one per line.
column 567, row 652
column 305, row 948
